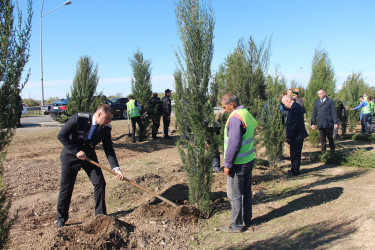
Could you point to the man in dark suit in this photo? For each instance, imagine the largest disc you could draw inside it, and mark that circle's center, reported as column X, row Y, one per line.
column 295, row 132
column 167, row 109
column 79, row 135
column 324, row 114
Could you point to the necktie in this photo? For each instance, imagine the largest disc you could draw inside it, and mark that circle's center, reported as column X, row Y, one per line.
column 94, row 132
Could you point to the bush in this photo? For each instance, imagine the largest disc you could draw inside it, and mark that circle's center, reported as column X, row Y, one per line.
column 363, row 137
column 360, row 158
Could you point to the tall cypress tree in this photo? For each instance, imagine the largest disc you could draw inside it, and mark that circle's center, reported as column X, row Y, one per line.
column 273, row 134
column 84, row 88
column 14, row 55
column 243, row 73
column 322, row 77
column 141, row 87
column 195, row 25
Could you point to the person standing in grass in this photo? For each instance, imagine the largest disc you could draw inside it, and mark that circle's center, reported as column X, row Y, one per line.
column 325, row 118
column 239, row 159
column 295, row 132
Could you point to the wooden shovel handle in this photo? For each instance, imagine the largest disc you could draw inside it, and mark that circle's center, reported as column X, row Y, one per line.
column 132, row 183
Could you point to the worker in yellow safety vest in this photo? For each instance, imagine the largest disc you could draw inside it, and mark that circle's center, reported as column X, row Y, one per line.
column 239, row 159
column 134, row 112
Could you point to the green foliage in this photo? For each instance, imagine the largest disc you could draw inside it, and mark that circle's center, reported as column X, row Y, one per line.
column 83, row 89
column 273, row 134
column 322, row 77
column 50, row 100
column 14, row 55
column 193, row 114
column 117, row 95
column 142, row 88
column 364, row 137
column 344, row 117
column 357, row 158
column 243, row 74
column 352, row 89
column 360, row 158
column 314, row 136
column 31, row 102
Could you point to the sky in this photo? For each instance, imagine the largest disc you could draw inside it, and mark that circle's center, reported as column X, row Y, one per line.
column 111, row 31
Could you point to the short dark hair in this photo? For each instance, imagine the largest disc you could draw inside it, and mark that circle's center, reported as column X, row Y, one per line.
column 168, row 91
column 231, row 98
column 105, row 108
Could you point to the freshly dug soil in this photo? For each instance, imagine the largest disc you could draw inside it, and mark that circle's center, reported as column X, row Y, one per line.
column 103, row 232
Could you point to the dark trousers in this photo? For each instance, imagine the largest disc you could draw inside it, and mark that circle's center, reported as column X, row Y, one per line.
column 295, row 156
column 68, row 178
column 166, row 122
column 216, row 160
column 155, row 125
column 326, row 133
column 364, row 122
column 136, row 120
column 239, row 194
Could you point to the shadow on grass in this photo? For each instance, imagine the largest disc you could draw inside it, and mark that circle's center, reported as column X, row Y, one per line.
column 306, row 237
column 314, row 198
column 299, row 189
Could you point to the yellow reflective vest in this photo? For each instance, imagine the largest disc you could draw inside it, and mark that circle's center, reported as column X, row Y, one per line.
column 133, row 110
column 246, row 152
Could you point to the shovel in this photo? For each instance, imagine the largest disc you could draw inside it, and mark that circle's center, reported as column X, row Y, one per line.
column 132, row 183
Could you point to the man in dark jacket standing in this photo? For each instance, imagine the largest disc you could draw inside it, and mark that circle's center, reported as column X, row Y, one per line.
column 155, row 112
column 295, row 132
column 167, row 109
column 79, row 136
column 324, row 115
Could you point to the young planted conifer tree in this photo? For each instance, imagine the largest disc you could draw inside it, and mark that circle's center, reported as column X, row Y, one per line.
column 322, row 77
column 272, row 133
column 243, row 73
column 141, row 87
column 195, row 23
column 14, row 55
column 83, row 89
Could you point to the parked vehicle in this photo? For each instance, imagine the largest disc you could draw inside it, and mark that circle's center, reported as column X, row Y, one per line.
column 58, row 108
column 46, row 108
column 119, row 107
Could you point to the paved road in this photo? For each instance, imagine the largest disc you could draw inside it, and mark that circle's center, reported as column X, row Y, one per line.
column 38, row 121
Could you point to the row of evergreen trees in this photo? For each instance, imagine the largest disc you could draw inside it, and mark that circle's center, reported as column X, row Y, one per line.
column 244, row 73
column 14, row 54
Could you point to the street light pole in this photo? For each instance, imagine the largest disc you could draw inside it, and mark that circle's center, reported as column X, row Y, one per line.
column 41, row 43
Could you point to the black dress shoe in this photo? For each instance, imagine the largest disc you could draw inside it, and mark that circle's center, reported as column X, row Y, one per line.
column 60, row 224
